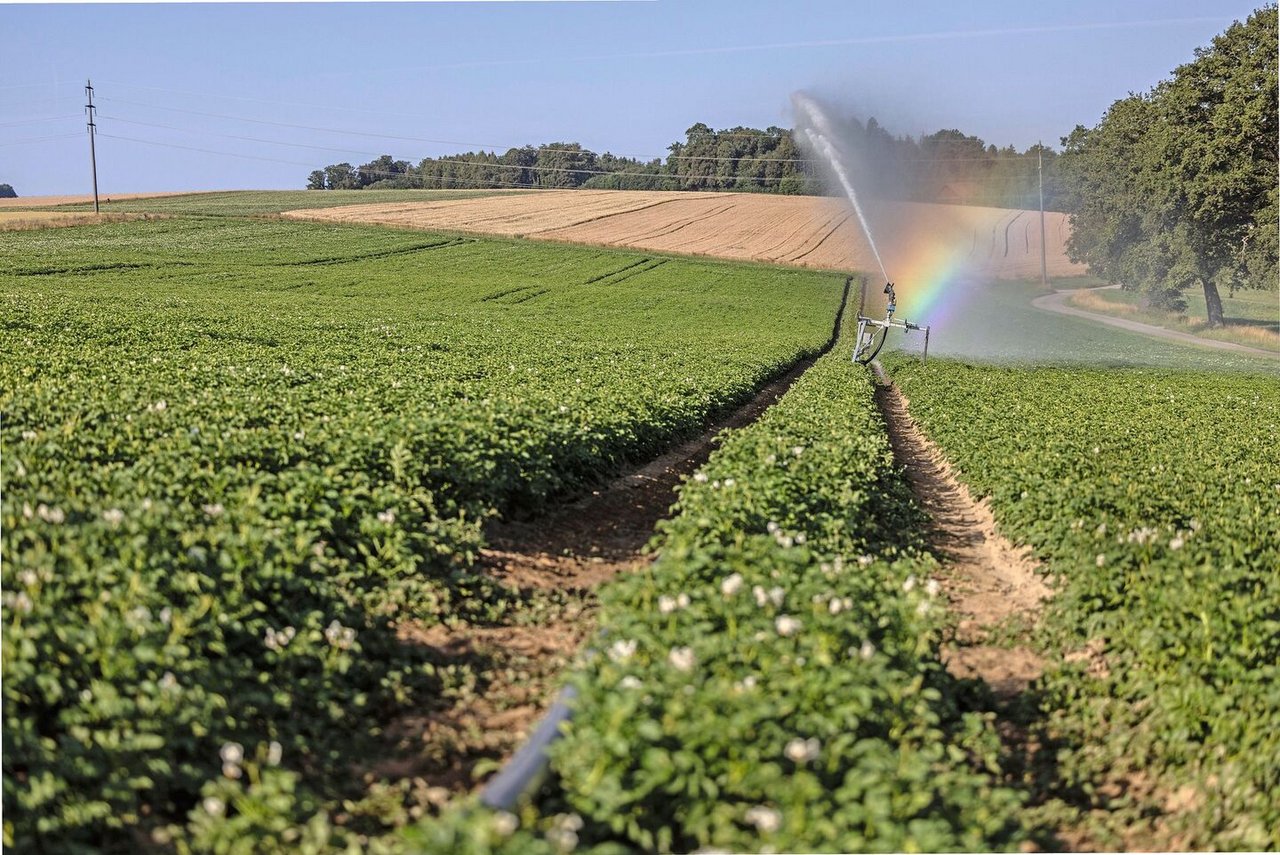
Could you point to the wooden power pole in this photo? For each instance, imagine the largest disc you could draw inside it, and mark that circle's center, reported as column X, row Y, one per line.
column 93, row 157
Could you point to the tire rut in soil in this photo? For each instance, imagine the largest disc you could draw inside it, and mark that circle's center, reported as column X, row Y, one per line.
column 994, row 590
column 561, row 556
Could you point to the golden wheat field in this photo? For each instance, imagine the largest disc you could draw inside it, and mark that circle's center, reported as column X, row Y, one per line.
column 801, row 230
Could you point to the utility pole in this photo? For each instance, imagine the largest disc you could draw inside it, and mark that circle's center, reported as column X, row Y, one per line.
column 93, row 157
column 1044, row 271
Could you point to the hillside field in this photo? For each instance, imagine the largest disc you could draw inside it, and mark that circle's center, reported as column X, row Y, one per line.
column 261, row 477
column 800, row 230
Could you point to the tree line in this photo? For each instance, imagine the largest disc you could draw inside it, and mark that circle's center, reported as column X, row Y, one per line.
column 1173, row 189
column 1177, row 188
column 944, row 166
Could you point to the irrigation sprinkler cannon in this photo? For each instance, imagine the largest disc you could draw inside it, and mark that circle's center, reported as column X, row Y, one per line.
column 872, row 332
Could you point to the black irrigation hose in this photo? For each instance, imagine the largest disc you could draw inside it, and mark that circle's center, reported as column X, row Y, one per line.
column 883, row 337
column 526, row 769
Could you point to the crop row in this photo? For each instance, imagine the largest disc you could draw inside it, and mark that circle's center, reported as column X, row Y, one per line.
column 1154, row 497
column 229, row 472
column 772, row 682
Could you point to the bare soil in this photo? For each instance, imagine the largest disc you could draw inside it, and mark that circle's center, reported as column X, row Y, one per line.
column 573, row 550
column 988, row 581
column 916, row 239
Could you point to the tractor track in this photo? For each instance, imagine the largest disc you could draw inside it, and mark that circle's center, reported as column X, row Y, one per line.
column 988, row 580
column 572, row 550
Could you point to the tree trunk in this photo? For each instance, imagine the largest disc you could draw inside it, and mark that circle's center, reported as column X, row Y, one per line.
column 1212, row 302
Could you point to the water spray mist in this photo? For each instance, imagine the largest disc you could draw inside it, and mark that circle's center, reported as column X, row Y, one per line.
column 872, row 332
column 818, row 131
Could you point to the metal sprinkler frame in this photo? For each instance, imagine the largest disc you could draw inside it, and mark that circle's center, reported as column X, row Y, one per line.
column 872, row 332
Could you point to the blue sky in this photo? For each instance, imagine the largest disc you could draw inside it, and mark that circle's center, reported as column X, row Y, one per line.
column 627, row 77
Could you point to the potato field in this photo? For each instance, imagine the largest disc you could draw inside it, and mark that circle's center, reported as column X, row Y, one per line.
column 256, row 470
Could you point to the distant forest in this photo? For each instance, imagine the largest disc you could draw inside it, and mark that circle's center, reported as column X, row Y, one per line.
column 946, row 166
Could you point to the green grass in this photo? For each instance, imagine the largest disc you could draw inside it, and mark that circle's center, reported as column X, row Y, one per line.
column 238, row 203
column 1072, row 283
column 995, row 322
column 1252, row 316
column 1244, row 305
column 236, row 452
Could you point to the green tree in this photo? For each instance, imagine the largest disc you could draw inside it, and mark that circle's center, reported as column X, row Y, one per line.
column 1221, row 111
column 316, row 180
column 7, row 192
column 340, row 176
column 563, row 164
column 381, row 168
column 1177, row 188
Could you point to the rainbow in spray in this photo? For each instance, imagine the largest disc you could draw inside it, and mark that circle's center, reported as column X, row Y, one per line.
column 924, row 262
column 929, row 269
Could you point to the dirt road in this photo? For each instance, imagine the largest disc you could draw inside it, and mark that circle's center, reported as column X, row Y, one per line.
column 1057, row 302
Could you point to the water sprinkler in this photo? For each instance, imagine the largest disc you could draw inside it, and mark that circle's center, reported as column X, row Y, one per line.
column 872, row 333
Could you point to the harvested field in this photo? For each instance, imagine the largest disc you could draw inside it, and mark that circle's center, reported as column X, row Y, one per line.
column 798, row 230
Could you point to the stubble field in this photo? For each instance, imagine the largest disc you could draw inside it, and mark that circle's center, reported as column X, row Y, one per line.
column 999, row 243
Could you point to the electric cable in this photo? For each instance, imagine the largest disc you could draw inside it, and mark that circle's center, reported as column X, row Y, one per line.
column 37, row 121
column 379, row 172
column 40, row 139
column 494, row 147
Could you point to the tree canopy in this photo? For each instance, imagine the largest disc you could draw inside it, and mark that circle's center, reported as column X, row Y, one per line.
column 946, row 166
column 1177, row 188
column 7, row 192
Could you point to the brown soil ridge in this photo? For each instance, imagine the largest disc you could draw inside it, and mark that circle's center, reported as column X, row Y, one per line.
column 988, row 580
column 573, row 549
column 605, row 533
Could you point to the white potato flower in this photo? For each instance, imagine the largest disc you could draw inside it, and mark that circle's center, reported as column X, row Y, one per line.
column 682, row 658
column 731, row 584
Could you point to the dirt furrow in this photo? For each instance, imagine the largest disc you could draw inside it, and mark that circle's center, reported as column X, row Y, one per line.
column 565, row 555
column 989, row 582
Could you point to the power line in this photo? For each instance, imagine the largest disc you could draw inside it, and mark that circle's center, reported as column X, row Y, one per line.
column 495, row 147
column 470, row 163
column 203, row 150
column 10, row 103
column 301, row 127
column 481, row 164
column 478, row 182
column 37, row 121
column 337, row 107
column 240, row 137
column 31, row 140
column 379, row 153
column 378, row 172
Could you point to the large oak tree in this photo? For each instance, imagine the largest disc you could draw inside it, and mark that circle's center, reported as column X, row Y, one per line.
column 1177, row 188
